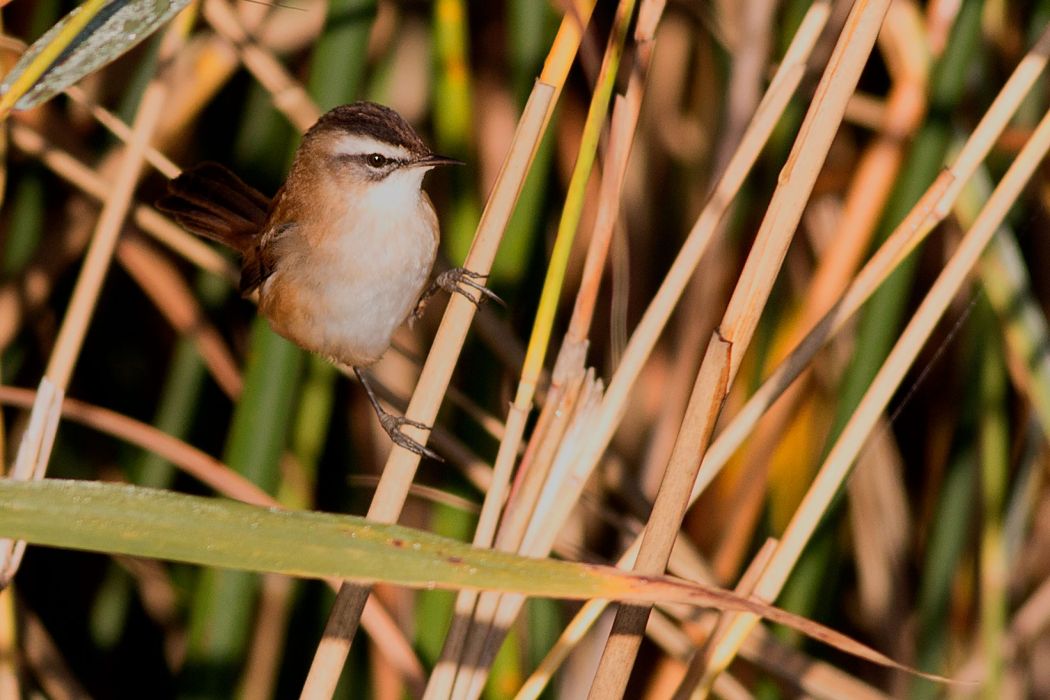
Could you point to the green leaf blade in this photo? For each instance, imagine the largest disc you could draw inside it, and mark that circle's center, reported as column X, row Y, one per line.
column 80, row 43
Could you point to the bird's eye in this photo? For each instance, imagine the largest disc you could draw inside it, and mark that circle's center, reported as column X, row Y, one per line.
column 376, row 160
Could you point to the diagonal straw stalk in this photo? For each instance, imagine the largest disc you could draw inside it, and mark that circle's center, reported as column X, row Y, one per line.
column 63, row 164
column 561, row 492
column 842, row 455
column 34, row 453
column 570, row 219
column 931, row 208
column 600, row 426
column 643, row 340
column 539, row 341
column 434, row 379
column 745, row 586
column 573, row 393
column 569, row 366
column 729, row 343
column 903, row 47
column 289, row 95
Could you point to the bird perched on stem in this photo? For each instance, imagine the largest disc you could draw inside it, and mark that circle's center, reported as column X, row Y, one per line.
column 342, row 253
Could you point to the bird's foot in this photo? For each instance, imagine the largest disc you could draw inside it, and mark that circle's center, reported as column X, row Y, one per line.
column 458, row 280
column 392, row 424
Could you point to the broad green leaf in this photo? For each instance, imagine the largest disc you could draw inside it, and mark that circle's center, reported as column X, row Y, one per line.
column 83, row 41
column 131, row 520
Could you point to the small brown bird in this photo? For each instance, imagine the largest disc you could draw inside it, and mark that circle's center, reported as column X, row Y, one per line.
column 341, row 255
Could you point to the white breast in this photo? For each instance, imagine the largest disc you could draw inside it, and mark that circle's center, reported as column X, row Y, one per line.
column 363, row 279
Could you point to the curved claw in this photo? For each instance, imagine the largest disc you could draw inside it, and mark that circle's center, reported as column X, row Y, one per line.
column 392, row 425
column 454, row 281
column 468, row 273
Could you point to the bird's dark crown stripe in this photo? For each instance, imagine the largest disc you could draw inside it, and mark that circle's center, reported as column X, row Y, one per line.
column 372, row 120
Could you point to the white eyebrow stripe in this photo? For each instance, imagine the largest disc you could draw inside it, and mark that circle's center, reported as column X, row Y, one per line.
column 358, row 144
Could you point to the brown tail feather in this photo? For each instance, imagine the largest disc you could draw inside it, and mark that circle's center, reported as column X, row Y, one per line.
column 211, row 201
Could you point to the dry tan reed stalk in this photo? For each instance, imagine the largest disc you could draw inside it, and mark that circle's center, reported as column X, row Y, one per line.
column 540, row 452
column 9, row 682
column 442, row 679
column 44, row 659
column 264, row 658
column 569, row 366
column 654, row 320
column 148, row 219
column 583, row 454
column 560, row 397
column 744, row 586
column 520, row 510
column 562, row 491
column 844, row 452
column 545, row 522
column 901, row 41
column 187, row 458
column 778, row 94
column 698, row 311
column 931, row 208
column 730, row 341
column 496, row 613
column 624, row 124
column 816, row 678
column 122, row 131
column 289, row 96
column 209, row 61
column 521, row 405
column 170, row 293
column 401, row 465
column 35, row 450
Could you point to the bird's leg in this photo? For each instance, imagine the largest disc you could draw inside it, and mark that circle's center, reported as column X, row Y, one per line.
column 458, row 280
column 392, row 424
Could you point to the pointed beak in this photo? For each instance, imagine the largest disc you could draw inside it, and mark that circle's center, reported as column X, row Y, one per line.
column 434, row 160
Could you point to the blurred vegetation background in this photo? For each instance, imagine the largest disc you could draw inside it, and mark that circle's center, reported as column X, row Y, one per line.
column 936, row 551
